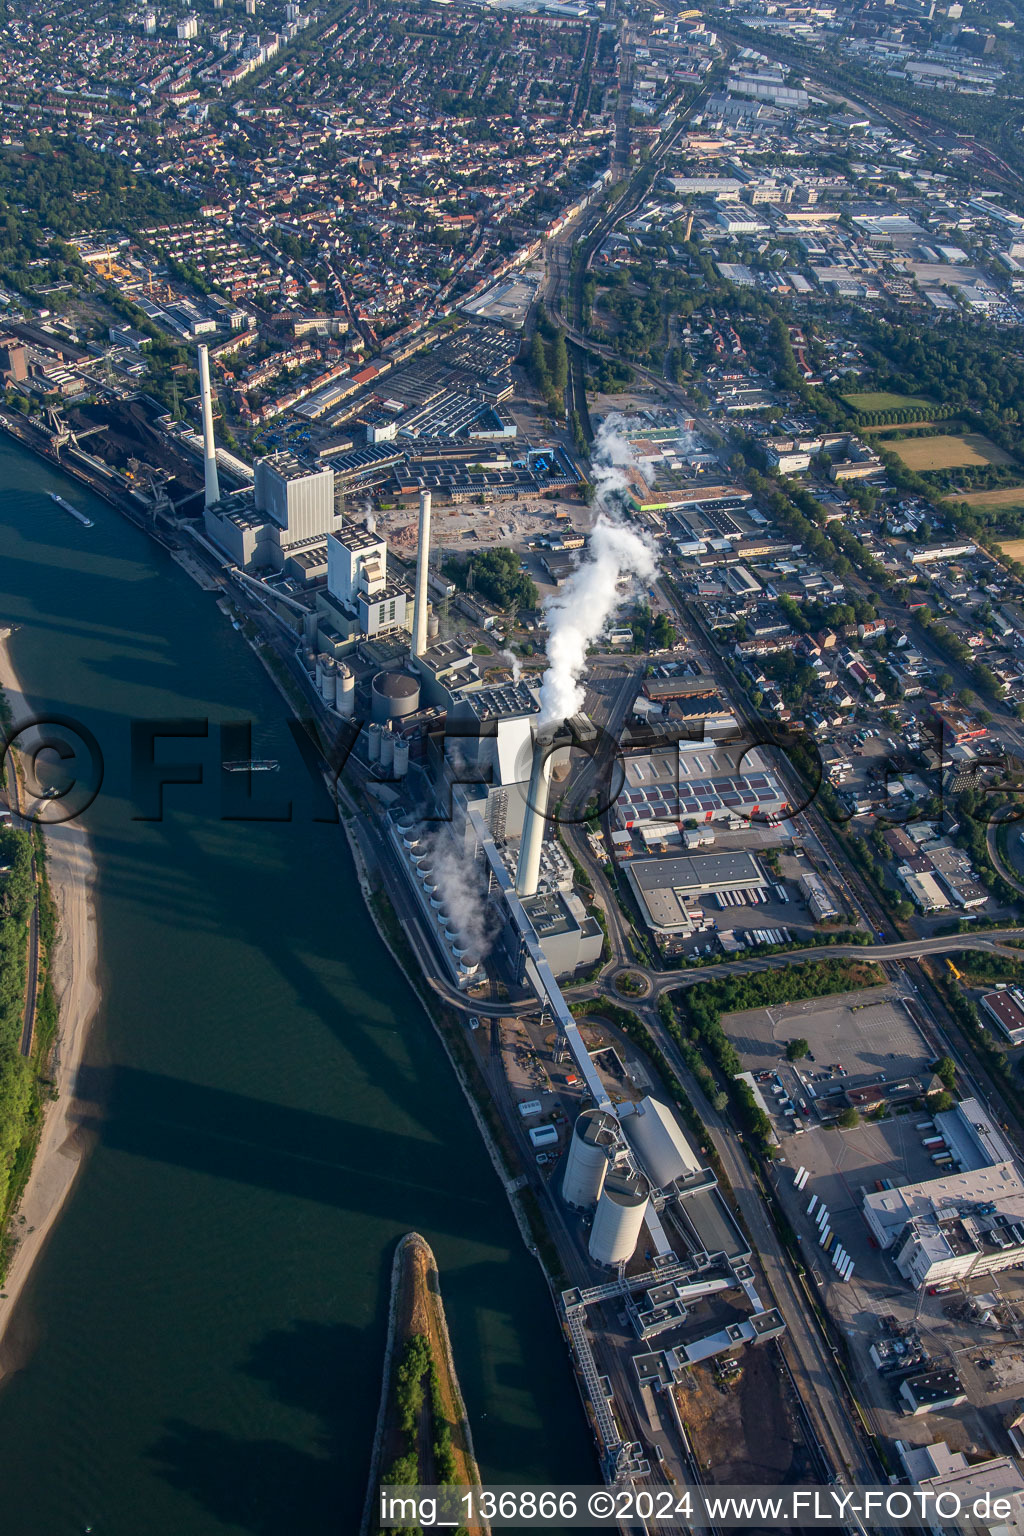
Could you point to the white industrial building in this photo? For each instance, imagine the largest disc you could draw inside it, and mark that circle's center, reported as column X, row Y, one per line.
column 667, row 888
column 964, row 1223
column 819, row 899
column 360, row 601
column 282, row 523
column 936, row 1469
column 699, row 782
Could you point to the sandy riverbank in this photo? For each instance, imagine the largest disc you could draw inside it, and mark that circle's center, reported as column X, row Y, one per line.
column 60, row 1150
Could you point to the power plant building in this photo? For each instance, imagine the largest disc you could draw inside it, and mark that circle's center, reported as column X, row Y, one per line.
column 655, row 1136
column 282, row 523
column 299, row 500
column 360, row 601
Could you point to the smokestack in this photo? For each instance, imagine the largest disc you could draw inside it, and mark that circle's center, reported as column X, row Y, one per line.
column 689, row 228
column 528, row 868
column 209, row 446
column 419, row 620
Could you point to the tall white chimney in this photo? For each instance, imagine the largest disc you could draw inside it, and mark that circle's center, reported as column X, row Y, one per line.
column 419, row 620
column 209, row 446
column 528, row 868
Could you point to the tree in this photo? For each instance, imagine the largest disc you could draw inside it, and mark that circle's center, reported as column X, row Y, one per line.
column 945, row 1069
column 796, row 1049
column 848, row 1118
column 720, row 1102
column 938, row 1103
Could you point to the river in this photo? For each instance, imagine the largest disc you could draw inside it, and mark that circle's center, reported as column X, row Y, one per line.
column 270, row 1110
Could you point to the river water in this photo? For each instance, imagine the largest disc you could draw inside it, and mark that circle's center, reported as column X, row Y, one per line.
column 270, row 1110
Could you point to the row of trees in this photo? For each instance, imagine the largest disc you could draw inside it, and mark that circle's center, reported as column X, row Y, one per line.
column 416, row 1374
column 549, row 365
column 17, row 1099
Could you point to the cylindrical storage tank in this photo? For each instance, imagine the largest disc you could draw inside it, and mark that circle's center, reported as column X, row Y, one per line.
column 401, row 757
column 392, row 695
column 433, row 626
column 374, row 734
column 594, row 1136
column 309, row 661
column 320, row 663
column 345, row 694
column 387, row 748
column 328, row 685
column 619, row 1216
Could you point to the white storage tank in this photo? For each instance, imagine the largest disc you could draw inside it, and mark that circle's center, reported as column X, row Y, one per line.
column 320, row 663
column 387, row 748
column 345, row 691
column 374, row 734
column 594, row 1137
column 401, row 764
column 329, row 683
column 619, row 1216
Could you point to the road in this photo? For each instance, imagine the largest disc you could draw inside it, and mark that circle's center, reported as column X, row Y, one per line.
column 807, row 1352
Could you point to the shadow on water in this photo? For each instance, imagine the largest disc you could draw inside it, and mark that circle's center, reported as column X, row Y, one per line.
column 345, row 1164
column 250, row 1485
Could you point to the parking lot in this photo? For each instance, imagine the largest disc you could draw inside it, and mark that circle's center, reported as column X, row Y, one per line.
column 868, row 1033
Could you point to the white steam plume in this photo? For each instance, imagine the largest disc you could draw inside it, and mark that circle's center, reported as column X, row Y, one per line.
column 514, row 662
column 461, row 889
column 578, row 614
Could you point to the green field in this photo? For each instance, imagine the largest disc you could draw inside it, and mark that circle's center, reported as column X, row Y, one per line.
column 882, row 400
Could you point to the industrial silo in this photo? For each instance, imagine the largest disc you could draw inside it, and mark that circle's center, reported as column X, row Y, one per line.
column 392, row 695
column 373, row 737
column 387, row 748
column 401, row 764
column 321, row 661
column 433, row 628
column 345, row 693
column 329, row 681
column 619, row 1216
column 594, row 1137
